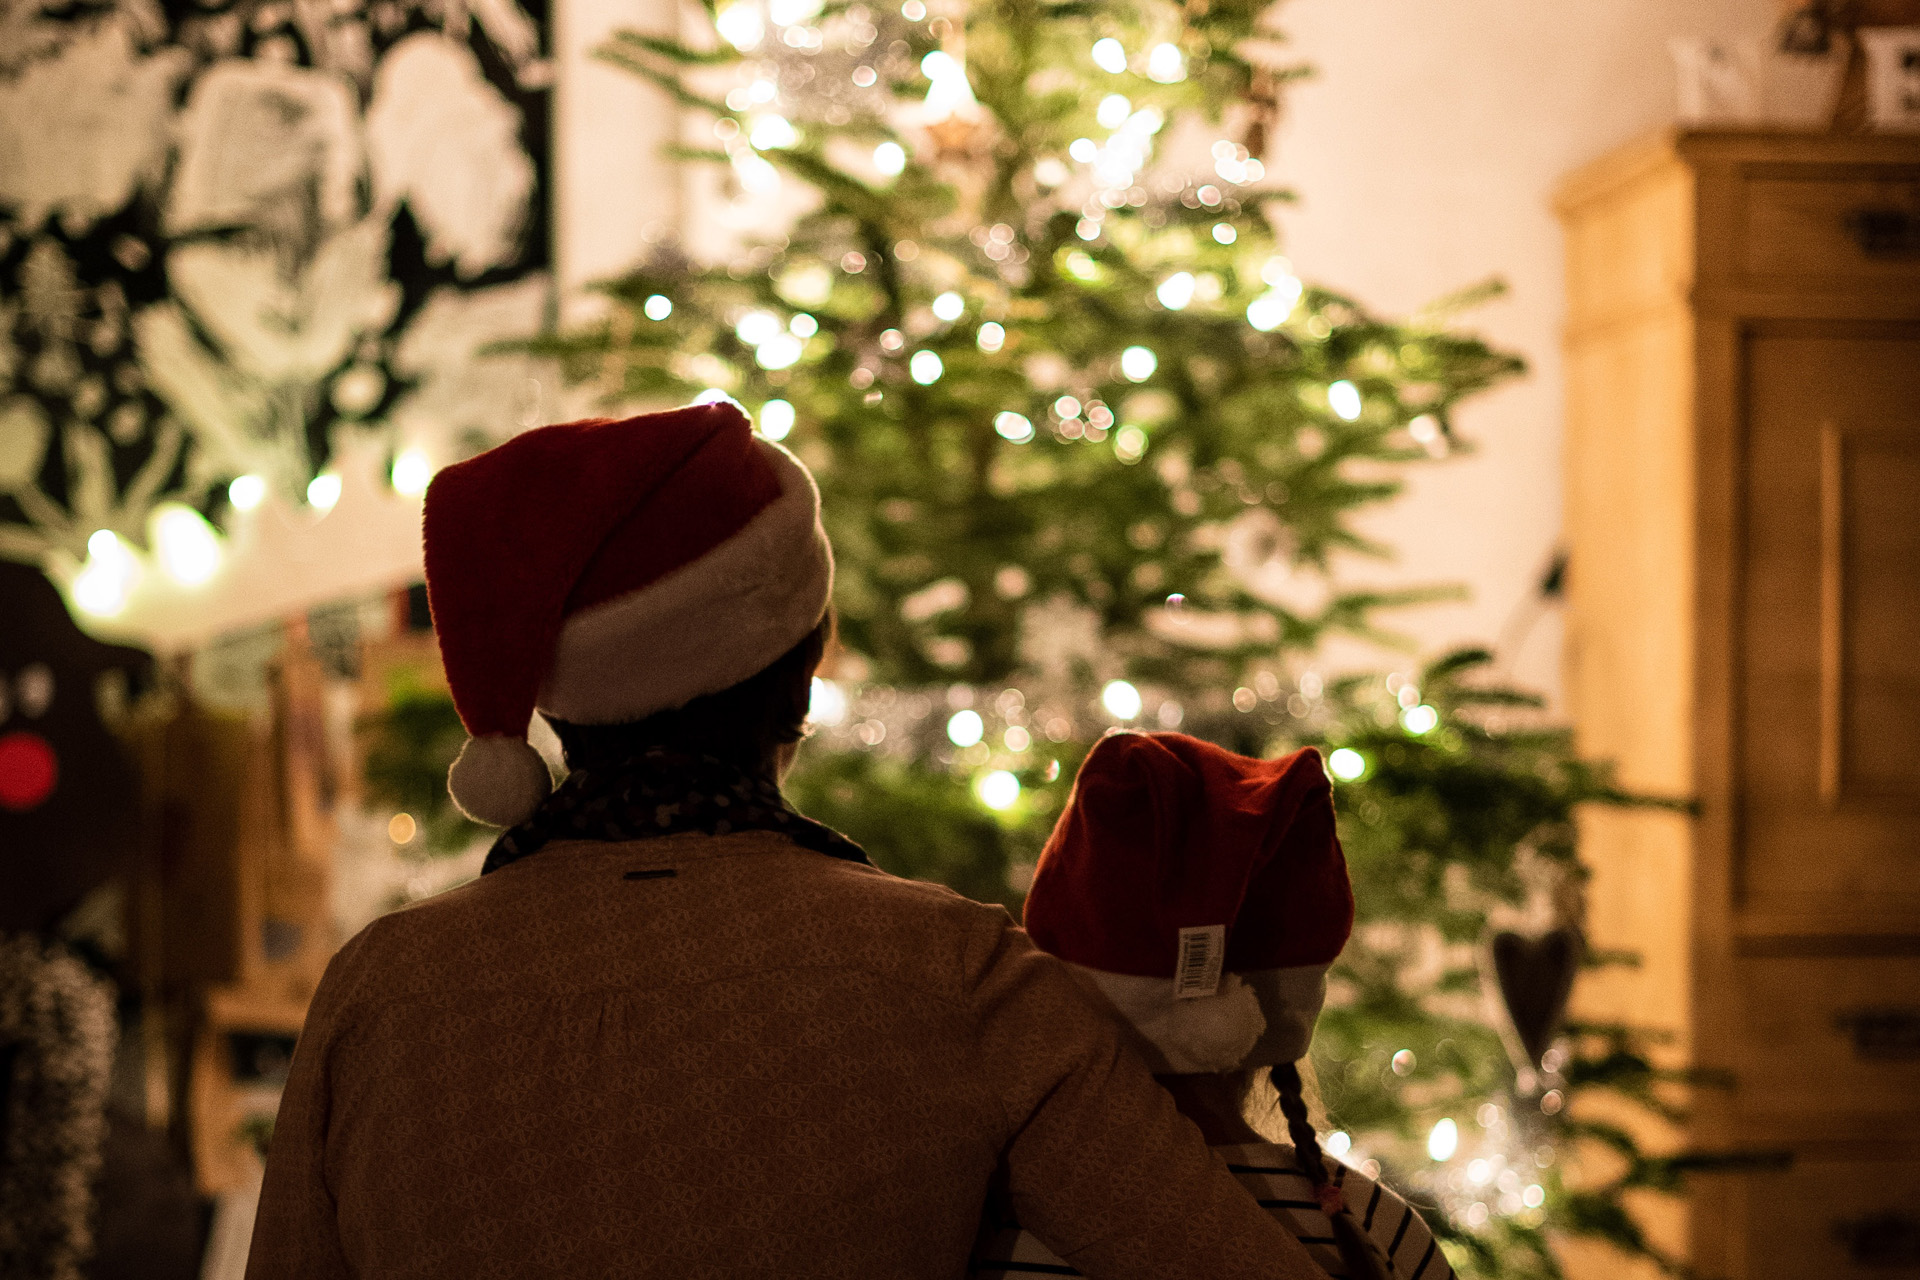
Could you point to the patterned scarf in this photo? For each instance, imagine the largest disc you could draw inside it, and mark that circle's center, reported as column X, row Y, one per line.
column 662, row 792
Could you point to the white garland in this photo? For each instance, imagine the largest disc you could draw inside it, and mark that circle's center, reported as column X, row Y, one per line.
column 57, row 1029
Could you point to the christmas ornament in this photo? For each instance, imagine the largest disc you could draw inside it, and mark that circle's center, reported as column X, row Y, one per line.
column 1534, row 976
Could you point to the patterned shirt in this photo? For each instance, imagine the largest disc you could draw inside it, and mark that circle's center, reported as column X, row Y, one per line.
column 1267, row 1171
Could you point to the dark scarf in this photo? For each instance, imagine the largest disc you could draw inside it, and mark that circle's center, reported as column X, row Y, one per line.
column 659, row 791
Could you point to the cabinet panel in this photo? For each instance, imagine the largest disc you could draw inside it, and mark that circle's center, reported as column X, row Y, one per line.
column 1829, row 1048
column 1833, row 225
column 1835, row 1220
column 1829, row 784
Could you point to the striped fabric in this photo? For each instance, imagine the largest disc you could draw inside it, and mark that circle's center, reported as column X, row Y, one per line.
column 1267, row 1171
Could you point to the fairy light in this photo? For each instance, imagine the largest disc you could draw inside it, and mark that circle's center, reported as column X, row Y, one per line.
column 999, row 790
column 1166, row 64
column 246, row 492
column 772, row 133
column 1347, row 764
column 658, row 306
column 803, row 326
column 740, row 25
column 1224, row 233
column 1130, row 444
column 890, row 158
column 1109, row 55
column 948, row 91
column 1013, row 426
column 826, row 702
column 411, row 472
column 1176, row 291
column 1444, row 1140
column 776, row 419
column 1344, row 399
column 991, row 337
column 102, row 586
column 964, row 728
column 1419, row 719
column 781, row 351
column 1138, row 363
column 323, row 491
column 1113, row 111
column 925, row 367
column 949, row 306
column 1121, row 700
column 1270, row 310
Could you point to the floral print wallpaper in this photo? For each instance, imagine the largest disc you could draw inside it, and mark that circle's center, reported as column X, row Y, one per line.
column 237, row 234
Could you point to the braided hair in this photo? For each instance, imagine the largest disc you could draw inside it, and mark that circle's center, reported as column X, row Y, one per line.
column 1361, row 1254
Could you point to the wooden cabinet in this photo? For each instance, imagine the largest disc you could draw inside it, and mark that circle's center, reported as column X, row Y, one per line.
column 1743, row 517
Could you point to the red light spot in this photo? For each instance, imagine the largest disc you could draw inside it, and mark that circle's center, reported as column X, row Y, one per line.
column 28, row 770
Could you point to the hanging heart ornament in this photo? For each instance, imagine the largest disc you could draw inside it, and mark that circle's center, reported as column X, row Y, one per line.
column 1534, row 976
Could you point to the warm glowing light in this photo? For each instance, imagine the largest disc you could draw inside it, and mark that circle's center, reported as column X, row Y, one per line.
column 1223, row 233
column 740, row 25
column 756, row 176
column 803, row 326
column 246, row 492
column 1121, row 700
column 772, row 133
column 756, row 327
column 401, row 828
column 1138, row 363
column 1444, row 1140
column 949, row 306
column 949, row 91
column 890, row 158
column 1338, row 1143
column 1344, row 399
column 1018, row 739
column 1113, row 111
column 776, row 419
column 787, row 13
column 1479, row 1172
column 658, row 306
column 991, row 337
column 1129, row 444
column 965, row 728
column 1085, row 150
column 186, row 546
column 1013, row 426
column 1087, row 229
column 1270, row 310
column 1347, row 764
column 1420, row 719
column 827, row 704
column 997, row 790
column 323, row 491
column 411, row 472
column 1176, row 291
column 102, row 586
column 925, row 368
column 781, row 351
column 1109, row 55
column 1534, row 1196
column 1166, row 64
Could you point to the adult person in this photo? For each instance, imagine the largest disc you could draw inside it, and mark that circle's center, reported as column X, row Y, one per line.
column 675, row 1028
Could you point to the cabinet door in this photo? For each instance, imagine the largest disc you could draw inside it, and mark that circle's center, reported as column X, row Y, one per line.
column 1829, row 720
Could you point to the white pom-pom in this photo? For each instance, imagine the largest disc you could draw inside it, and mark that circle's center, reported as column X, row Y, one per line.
column 499, row 780
column 1203, row 1035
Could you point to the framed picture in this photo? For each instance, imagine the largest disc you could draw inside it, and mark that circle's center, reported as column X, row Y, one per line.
column 1893, row 77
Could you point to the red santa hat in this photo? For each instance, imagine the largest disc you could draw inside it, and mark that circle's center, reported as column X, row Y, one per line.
column 605, row 570
column 1204, row 893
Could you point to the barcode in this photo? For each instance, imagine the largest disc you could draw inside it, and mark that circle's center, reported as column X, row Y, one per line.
column 1201, row 952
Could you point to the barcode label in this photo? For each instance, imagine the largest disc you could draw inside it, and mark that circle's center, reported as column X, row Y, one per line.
column 1201, row 952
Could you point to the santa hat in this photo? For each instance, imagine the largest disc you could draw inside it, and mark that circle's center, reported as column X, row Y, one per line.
column 1204, row 893
column 605, row 570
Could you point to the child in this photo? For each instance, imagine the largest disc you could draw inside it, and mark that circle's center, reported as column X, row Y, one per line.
column 1203, row 896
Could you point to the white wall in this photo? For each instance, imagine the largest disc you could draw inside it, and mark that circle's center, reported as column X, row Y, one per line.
column 1424, row 154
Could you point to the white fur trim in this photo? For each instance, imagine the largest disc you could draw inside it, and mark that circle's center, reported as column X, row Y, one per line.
column 1201, row 1034
column 499, row 780
column 707, row 625
column 1255, row 1019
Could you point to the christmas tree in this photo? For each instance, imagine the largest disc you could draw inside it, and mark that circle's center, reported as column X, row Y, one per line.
column 1091, row 454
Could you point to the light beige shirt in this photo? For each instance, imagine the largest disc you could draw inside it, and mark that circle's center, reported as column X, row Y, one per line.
column 724, row 1056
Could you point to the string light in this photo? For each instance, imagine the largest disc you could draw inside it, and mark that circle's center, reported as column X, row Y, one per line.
column 658, row 307
column 772, row 133
column 776, row 419
column 1166, row 64
column 1224, row 233
column 949, row 306
column 323, row 491
column 1420, row 719
column 1176, row 291
column 1013, row 426
column 991, row 337
column 740, row 25
column 411, row 473
column 1347, row 764
column 803, row 325
column 1344, row 399
column 1121, row 700
column 964, row 728
column 1113, row 111
column 102, row 586
column 949, row 92
column 998, row 790
column 890, row 158
column 246, row 492
column 1138, row 363
column 925, row 368
column 1109, row 55
column 1444, row 1140
column 781, row 351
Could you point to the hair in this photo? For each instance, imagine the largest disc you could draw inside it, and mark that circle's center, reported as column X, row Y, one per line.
column 1361, row 1254
column 745, row 724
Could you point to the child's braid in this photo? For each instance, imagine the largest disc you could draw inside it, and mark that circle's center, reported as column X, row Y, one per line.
column 1363, row 1257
